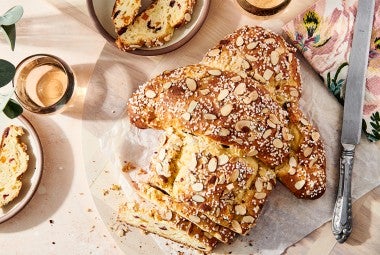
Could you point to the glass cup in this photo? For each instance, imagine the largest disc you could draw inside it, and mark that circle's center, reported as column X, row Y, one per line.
column 43, row 83
column 263, row 7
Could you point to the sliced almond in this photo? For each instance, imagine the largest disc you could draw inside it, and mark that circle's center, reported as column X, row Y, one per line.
column 259, row 185
column 150, row 93
column 222, row 159
column 230, row 186
column 198, row 198
column 248, row 219
column 294, row 93
column 235, row 175
column 269, row 186
column 223, row 94
column 278, row 143
column 187, row 17
column 267, row 74
column 239, row 41
column 212, row 164
column 292, row 171
column 214, row 52
column 243, row 125
column 245, row 64
column 292, row 162
column 226, row 109
column 274, row 119
column 267, row 133
column 304, row 121
column 236, row 227
column 260, row 195
column 240, row 89
column 307, row 151
column 252, row 96
column 224, row 132
column 252, row 45
column 193, row 162
column 186, row 116
column 214, row 72
column 167, row 85
column 315, row 136
column 258, row 77
column 252, row 153
column 274, row 57
column 236, row 78
column 192, row 106
column 278, row 77
column 271, row 124
column 270, row 40
column 197, row 187
column 191, row 84
column 240, row 209
column 251, row 58
column 204, row 91
column 312, row 162
column 299, row 185
column 209, row 116
column 194, row 218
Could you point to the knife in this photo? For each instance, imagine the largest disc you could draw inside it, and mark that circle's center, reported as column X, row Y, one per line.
column 352, row 116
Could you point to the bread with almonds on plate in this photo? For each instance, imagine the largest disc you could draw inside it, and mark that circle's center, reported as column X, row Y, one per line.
column 13, row 163
column 266, row 57
column 155, row 26
column 162, row 221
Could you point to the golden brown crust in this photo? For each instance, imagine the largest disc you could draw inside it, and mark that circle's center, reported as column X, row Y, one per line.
column 223, row 106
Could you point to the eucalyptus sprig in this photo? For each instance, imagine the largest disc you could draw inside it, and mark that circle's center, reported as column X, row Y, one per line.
column 7, row 70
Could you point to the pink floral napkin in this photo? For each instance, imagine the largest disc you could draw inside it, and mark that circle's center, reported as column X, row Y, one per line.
column 323, row 33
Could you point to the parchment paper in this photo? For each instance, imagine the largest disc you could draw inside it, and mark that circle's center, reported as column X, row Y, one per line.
column 284, row 219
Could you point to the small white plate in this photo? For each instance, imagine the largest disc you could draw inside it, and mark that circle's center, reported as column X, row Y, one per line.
column 31, row 178
column 101, row 12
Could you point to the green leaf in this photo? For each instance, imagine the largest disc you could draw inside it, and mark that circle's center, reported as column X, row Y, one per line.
column 7, row 72
column 11, row 16
column 10, row 34
column 12, row 109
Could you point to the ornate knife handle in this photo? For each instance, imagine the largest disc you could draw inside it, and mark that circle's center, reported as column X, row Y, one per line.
column 342, row 216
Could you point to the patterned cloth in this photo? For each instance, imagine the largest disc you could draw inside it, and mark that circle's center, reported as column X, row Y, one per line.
column 323, row 33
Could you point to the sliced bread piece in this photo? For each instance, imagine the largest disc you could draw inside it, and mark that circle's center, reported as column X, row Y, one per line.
column 123, row 13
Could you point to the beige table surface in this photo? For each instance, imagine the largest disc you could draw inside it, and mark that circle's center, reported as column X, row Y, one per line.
column 62, row 217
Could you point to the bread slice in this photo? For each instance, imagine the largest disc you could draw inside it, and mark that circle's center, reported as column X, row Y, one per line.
column 13, row 163
column 155, row 26
column 162, row 221
column 123, row 14
column 265, row 56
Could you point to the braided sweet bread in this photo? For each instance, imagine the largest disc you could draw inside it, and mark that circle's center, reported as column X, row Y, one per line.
column 232, row 125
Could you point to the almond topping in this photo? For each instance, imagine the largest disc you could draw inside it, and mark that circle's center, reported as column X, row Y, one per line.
column 259, row 78
column 260, row 195
column 167, row 85
column 191, row 84
column 194, row 219
column 292, row 162
column 197, row 187
column 226, row 109
column 150, row 93
column 292, row 171
column 236, row 78
column 267, row 133
column 274, row 119
column 212, row 164
column 271, row 124
column 270, row 40
column 214, row 52
column 268, row 74
column 222, row 159
column 187, row 17
column 251, row 58
column 269, row 186
column 236, row 226
column 193, row 162
column 293, row 92
column 252, row 96
column 240, row 209
column 186, row 116
column 209, row 116
column 240, row 89
column 248, row 219
column 223, row 94
column 224, row 132
column 239, row 41
column 215, row 72
column 245, row 64
column 278, row 143
column 235, row 175
column 204, row 91
column 230, row 186
column 307, row 152
column 303, row 121
column 278, row 77
column 243, row 125
column 315, row 136
column 259, row 185
column 252, row 45
column 274, row 57
column 192, row 106
column 198, row 198
column 299, row 185
column 252, row 153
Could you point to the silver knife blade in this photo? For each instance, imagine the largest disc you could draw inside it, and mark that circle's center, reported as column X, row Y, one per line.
column 352, row 117
column 356, row 77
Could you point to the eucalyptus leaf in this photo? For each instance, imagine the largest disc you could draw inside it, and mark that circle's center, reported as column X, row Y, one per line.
column 7, row 72
column 12, row 16
column 12, row 109
column 10, row 34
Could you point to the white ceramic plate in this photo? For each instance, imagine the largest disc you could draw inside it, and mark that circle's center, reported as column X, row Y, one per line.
column 31, row 178
column 101, row 12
